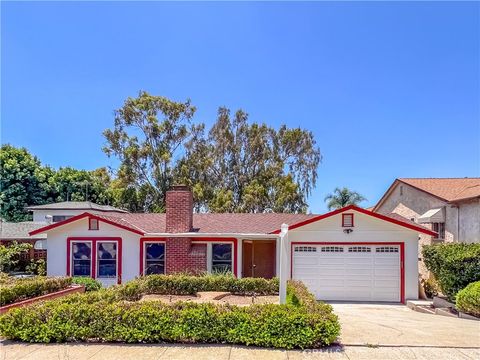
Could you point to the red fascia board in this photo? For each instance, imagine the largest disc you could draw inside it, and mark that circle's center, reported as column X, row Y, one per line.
column 363, row 211
column 81, row 216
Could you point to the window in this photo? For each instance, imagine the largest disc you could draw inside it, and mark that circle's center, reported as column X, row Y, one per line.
column 387, row 249
column 439, row 228
column 82, row 259
column 401, row 190
column 332, row 249
column 347, row 220
column 305, row 249
column 222, row 258
column 58, row 218
column 154, row 258
column 106, row 259
column 358, row 249
column 92, row 224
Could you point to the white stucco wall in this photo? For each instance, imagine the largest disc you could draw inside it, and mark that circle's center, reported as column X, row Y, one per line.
column 40, row 215
column 366, row 229
column 57, row 247
column 469, row 215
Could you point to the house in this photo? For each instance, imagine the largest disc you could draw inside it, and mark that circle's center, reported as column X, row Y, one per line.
column 44, row 215
column 346, row 254
column 448, row 206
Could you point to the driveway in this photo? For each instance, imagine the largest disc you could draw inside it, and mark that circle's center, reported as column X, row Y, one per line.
column 397, row 325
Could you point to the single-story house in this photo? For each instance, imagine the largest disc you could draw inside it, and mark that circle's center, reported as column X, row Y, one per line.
column 348, row 254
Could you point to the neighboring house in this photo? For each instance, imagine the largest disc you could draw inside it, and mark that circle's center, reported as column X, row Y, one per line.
column 346, row 254
column 44, row 215
column 448, row 206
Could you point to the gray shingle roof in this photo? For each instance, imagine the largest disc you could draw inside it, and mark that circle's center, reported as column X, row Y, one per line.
column 76, row 205
column 20, row 230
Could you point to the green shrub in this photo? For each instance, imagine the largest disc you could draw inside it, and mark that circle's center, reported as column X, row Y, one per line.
column 21, row 289
column 104, row 315
column 89, row 283
column 453, row 265
column 468, row 299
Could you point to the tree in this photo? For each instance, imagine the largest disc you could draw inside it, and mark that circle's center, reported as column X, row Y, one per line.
column 343, row 197
column 23, row 182
column 149, row 132
column 242, row 167
column 9, row 255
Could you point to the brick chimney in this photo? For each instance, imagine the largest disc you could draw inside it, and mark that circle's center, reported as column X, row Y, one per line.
column 179, row 209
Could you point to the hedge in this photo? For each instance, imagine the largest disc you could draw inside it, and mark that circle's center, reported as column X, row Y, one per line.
column 468, row 299
column 100, row 316
column 453, row 265
column 21, row 289
column 89, row 283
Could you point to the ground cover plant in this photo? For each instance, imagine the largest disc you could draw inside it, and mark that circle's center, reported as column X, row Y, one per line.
column 14, row 290
column 114, row 315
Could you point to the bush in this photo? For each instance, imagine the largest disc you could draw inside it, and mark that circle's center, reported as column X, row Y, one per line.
column 430, row 286
column 454, row 266
column 21, row 289
column 89, row 283
column 468, row 299
column 104, row 316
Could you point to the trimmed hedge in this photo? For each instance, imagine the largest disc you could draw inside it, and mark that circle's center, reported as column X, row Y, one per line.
column 89, row 283
column 468, row 299
column 21, row 289
column 101, row 316
column 453, row 265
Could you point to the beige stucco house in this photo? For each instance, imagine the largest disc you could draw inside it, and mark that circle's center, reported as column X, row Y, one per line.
column 448, row 206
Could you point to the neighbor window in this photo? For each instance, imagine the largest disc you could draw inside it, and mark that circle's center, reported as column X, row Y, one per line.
column 92, row 224
column 347, row 220
column 439, row 228
column 106, row 259
column 154, row 258
column 81, row 258
column 58, row 218
column 222, row 258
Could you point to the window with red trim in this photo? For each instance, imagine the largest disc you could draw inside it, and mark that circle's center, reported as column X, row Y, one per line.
column 92, row 224
column 81, row 258
column 347, row 220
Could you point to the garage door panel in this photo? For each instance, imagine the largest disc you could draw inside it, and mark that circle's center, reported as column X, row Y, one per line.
column 359, row 275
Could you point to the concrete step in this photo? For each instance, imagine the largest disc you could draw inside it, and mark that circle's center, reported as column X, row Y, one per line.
column 445, row 312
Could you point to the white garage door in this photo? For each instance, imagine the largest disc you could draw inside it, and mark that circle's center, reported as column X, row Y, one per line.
column 349, row 272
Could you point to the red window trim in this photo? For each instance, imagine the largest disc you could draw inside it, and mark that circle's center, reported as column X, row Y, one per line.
column 402, row 257
column 144, row 240
column 94, row 241
column 90, row 223
column 343, row 219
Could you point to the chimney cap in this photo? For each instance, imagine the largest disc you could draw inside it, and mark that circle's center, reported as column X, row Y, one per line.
column 180, row 187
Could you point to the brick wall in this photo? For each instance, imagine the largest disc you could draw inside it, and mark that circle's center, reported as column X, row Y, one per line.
column 181, row 254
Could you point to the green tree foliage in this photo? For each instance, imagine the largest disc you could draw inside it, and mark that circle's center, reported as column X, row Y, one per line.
column 242, row 167
column 9, row 255
column 23, row 182
column 149, row 132
column 343, row 197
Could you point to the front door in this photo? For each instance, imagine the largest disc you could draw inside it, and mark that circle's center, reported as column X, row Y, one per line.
column 259, row 258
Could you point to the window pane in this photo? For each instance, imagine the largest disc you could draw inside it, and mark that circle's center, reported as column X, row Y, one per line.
column 222, row 252
column 82, row 251
column 107, row 250
column 81, row 268
column 155, row 267
column 155, row 251
column 107, row 268
column 221, row 266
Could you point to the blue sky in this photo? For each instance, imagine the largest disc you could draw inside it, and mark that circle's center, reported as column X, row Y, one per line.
column 389, row 89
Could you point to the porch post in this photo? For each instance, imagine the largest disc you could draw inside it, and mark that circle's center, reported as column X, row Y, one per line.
column 283, row 263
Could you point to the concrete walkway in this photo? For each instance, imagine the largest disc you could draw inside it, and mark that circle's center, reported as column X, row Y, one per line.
column 18, row 351
column 397, row 325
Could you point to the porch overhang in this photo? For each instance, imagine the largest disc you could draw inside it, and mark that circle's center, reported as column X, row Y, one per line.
column 432, row 216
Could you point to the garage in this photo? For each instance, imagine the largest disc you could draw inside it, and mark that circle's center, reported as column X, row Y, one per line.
column 350, row 271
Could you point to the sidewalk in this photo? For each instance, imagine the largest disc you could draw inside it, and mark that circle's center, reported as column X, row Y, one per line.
column 16, row 351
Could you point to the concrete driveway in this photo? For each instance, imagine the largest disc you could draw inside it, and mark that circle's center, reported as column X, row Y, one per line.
column 397, row 325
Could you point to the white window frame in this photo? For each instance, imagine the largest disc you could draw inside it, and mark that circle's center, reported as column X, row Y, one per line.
column 145, row 255
column 210, row 254
column 97, row 260
column 72, row 257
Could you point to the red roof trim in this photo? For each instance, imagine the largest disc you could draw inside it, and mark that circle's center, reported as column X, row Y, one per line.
column 363, row 211
column 81, row 216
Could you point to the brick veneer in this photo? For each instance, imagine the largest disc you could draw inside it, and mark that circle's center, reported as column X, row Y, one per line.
column 181, row 254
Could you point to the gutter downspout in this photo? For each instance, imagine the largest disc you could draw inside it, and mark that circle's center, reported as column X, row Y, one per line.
column 283, row 264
